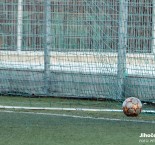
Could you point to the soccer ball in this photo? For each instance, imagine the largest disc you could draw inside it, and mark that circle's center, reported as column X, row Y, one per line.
column 132, row 107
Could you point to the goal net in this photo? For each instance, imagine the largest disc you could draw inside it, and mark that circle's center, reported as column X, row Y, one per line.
column 77, row 57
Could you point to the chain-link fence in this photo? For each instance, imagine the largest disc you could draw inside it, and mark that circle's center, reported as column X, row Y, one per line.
column 78, row 48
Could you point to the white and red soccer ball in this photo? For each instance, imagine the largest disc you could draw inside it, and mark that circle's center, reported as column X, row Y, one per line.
column 132, row 107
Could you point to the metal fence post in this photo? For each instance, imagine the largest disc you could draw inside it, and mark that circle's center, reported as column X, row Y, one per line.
column 47, row 44
column 153, row 27
column 122, row 44
column 20, row 25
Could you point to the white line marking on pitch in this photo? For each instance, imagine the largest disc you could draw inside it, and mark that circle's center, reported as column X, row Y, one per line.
column 81, row 117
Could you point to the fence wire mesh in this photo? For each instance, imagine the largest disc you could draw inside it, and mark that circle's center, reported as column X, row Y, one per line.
column 78, row 48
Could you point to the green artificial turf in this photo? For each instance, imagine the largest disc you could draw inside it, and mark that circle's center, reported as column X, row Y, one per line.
column 36, row 129
column 58, row 127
